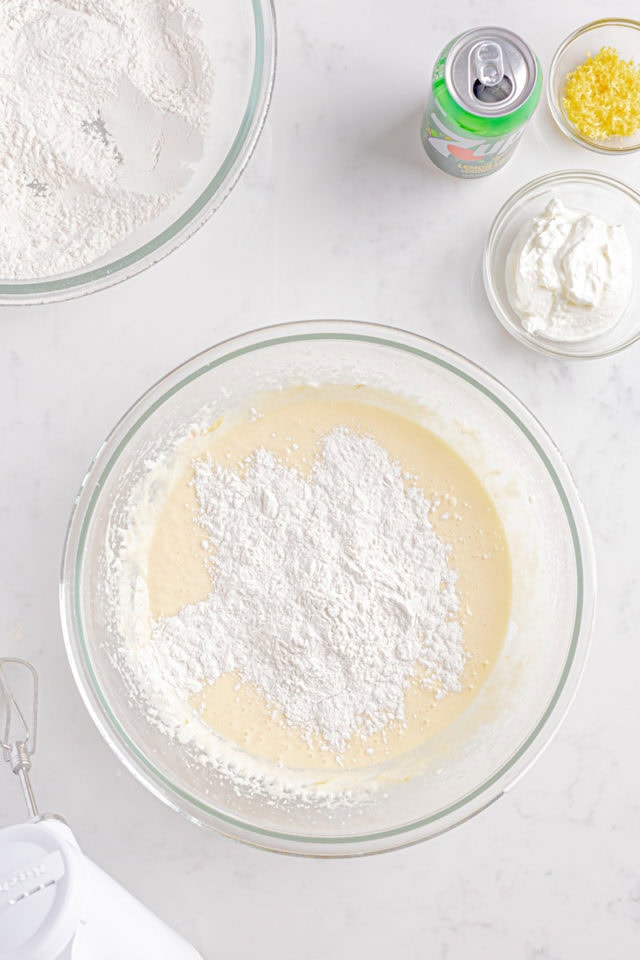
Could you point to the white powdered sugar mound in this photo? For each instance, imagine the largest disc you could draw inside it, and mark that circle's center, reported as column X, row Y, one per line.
column 103, row 104
column 328, row 592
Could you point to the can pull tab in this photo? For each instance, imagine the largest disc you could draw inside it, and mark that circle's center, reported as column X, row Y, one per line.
column 491, row 83
column 18, row 723
column 489, row 66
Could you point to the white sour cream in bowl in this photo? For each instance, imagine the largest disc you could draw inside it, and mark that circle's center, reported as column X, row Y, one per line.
column 569, row 273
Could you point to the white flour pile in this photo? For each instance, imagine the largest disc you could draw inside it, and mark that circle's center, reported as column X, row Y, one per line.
column 104, row 105
column 328, row 591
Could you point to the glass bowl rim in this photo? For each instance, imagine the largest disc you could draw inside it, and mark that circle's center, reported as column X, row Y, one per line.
column 556, row 111
column 133, row 757
column 548, row 348
column 92, row 279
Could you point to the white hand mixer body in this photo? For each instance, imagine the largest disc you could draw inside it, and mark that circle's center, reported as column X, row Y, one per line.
column 55, row 903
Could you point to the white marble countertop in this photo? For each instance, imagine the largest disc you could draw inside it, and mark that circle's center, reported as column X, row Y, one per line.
column 340, row 215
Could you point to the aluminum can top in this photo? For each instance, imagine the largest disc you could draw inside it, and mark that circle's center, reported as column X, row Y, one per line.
column 490, row 71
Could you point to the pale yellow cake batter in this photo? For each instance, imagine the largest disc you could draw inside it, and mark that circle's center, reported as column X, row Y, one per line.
column 291, row 423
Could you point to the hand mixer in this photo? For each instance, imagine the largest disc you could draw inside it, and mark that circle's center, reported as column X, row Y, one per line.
column 55, row 904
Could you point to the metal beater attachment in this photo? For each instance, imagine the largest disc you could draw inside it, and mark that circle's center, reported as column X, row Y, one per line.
column 19, row 722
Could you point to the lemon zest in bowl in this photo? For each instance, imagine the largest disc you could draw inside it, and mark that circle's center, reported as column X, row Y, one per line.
column 602, row 96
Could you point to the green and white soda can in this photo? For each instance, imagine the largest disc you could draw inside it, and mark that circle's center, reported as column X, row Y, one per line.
column 486, row 85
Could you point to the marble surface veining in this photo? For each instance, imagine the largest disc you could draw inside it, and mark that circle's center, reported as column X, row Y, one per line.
column 340, row 215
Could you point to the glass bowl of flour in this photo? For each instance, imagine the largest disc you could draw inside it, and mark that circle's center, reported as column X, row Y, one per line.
column 125, row 125
column 328, row 589
column 561, row 265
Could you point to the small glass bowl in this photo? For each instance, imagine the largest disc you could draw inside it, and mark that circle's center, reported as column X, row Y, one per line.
column 623, row 36
column 615, row 202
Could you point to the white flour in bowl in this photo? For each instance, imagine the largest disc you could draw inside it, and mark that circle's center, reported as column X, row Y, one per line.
column 328, row 592
column 104, row 104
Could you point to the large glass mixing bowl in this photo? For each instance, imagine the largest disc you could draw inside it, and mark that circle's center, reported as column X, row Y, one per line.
column 241, row 38
column 474, row 760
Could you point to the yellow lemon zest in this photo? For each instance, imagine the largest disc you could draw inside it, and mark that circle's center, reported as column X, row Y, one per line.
column 602, row 96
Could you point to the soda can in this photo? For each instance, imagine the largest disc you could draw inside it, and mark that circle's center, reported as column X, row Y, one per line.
column 485, row 87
